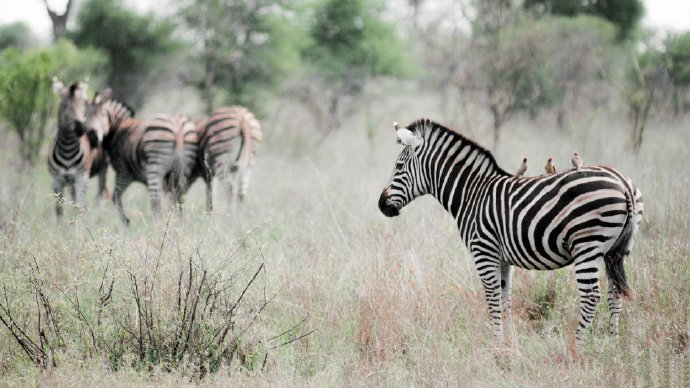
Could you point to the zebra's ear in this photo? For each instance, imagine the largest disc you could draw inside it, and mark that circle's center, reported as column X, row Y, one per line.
column 58, row 87
column 103, row 96
column 408, row 138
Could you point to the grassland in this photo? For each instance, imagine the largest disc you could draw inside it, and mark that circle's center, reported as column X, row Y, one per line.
column 377, row 301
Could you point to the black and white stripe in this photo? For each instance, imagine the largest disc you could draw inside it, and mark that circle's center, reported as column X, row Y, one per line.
column 228, row 142
column 544, row 222
column 160, row 152
column 72, row 159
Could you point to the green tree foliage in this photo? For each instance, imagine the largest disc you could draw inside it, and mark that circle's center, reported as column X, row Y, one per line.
column 15, row 35
column 625, row 14
column 240, row 47
column 26, row 97
column 136, row 45
column 351, row 42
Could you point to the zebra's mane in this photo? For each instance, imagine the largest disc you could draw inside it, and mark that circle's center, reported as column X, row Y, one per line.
column 123, row 105
column 423, row 127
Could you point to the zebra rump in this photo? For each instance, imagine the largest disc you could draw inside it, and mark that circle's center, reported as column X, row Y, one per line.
column 228, row 144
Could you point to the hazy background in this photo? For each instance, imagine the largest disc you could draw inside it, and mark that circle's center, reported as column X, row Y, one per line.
column 310, row 284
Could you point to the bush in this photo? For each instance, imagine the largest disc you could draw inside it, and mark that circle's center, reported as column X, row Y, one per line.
column 26, row 99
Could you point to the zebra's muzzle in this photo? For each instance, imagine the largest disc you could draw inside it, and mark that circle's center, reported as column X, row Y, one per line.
column 388, row 209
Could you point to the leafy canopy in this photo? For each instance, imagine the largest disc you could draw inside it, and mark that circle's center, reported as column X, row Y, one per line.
column 135, row 44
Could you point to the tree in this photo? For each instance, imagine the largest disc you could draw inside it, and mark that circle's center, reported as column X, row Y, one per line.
column 15, row 35
column 625, row 14
column 647, row 83
column 678, row 52
column 59, row 20
column 240, row 47
column 577, row 53
column 350, row 44
column 26, row 99
column 137, row 46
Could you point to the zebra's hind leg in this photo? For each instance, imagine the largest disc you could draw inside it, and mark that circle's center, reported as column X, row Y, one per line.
column 586, row 275
column 506, row 286
column 209, row 195
column 615, row 302
column 121, row 183
column 102, row 189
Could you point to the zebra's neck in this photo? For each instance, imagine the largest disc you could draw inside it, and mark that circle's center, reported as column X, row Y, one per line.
column 120, row 120
column 459, row 173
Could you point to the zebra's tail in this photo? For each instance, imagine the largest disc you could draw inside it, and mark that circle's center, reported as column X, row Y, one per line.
column 615, row 257
column 177, row 175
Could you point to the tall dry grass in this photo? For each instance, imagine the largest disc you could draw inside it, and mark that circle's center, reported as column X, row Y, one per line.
column 355, row 298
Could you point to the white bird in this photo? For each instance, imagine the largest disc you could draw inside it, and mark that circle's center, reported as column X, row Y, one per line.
column 576, row 161
column 522, row 169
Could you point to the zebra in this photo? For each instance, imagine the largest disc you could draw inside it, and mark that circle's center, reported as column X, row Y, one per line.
column 544, row 222
column 228, row 143
column 160, row 152
column 72, row 157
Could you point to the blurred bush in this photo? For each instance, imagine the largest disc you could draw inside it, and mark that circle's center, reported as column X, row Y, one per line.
column 27, row 102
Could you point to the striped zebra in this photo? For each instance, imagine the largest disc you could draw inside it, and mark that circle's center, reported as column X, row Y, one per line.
column 228, row 142
column 544, row 222
column 160, row 152
column 72, row 159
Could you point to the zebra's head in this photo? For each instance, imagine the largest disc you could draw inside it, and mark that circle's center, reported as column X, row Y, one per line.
column 407, row 181
column 71, row 112
column 97, row 123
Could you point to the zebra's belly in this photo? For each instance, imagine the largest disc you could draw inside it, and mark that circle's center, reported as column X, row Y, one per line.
column 529, row 260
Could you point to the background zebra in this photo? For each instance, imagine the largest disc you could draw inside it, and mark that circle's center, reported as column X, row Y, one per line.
column 72, row 159
column 544, row 222
column 160, row 152
column 228, row 142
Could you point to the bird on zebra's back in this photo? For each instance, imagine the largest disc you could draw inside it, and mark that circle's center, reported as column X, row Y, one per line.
column 72, row 156
column 546, row 223
column 523, row 168
column 228, row 143
column 576, row 161
column 550, row 167
column 160, row 152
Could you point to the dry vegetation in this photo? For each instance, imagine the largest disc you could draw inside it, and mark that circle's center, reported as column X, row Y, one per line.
column 376, row 301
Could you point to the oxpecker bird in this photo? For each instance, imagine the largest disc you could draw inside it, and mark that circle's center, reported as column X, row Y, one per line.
column 550, row 167
column 576, row 161
column 522, row 169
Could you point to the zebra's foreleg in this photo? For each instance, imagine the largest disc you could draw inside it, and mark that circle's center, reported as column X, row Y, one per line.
column 58, row 186
column 490, row 274
column 615, row 302
column 79, row 190
column 121, row 183
column 586, row 275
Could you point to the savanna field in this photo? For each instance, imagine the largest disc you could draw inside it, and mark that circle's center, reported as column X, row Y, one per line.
column 308, row 284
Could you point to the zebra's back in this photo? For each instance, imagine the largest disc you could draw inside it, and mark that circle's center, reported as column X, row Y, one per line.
column 542, row 222
column 230, row 136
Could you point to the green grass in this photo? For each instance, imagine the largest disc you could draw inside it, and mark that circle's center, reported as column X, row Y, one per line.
column 387, row 301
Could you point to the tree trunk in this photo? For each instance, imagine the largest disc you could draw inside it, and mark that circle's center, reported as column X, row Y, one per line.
column 59, row 21
column 498, row 123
